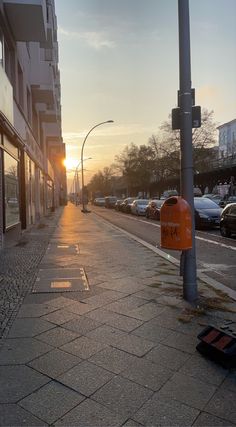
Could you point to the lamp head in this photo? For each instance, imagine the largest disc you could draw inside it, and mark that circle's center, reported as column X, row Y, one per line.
column 110, row 121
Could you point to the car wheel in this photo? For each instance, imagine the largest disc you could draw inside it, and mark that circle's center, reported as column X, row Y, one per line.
column 147, row 215
column 224, row 231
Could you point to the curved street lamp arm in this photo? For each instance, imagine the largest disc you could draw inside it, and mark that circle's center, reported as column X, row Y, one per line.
column 85, row 139
column 82, row 154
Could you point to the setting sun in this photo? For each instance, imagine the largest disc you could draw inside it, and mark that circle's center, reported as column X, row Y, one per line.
column 71, row 163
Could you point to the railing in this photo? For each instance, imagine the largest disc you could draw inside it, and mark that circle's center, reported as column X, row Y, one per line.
column 224, row 162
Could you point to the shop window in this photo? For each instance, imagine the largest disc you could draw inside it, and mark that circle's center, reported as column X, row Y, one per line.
column 11, row 187
column 49, row 194
column 10, row 147
column 41, row 183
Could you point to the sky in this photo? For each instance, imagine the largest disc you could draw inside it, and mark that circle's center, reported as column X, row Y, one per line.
column 119, row 60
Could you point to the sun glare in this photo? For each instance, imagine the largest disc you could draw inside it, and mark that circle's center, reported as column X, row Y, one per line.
column 70, row 163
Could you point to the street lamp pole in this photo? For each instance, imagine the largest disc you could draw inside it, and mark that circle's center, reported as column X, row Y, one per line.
column 76, row 178
column 189, row 256
column 82, row 161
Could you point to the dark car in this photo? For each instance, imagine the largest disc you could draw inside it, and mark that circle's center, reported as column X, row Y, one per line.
column 226, row 201
column 207, row 213
column 228, row 220
column 110, row 201
column 126, row 204
column 153, row 209
column 118, row 204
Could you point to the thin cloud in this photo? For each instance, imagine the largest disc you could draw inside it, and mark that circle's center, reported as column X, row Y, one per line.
column 111, row 130
column 207, row 93
column 95, row 39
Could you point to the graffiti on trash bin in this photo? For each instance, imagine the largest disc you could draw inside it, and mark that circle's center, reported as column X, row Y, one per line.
column 170, row 230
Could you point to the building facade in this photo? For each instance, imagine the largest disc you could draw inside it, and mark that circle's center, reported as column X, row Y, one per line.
column 227, row 139
column 32, row 172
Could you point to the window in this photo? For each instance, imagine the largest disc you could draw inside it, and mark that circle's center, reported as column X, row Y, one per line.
column 233, row 210
column 35, row 123
column 10, row 66
column 1, row 50
column 11, row 186
column 29, row 111
column 48, row 55
column 49, row 194
column 20, row 87
column 9, row 147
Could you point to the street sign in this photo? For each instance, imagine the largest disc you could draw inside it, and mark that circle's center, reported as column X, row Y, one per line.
column 196, row 117
column 193, row 97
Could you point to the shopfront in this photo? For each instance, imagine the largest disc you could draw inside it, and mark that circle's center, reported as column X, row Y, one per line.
column 10, row 189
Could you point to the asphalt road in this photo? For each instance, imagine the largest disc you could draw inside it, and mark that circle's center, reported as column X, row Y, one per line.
column 216, row 255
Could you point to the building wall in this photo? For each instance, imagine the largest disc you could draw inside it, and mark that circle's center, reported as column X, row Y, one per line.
column 227, row 139
column 30, row 115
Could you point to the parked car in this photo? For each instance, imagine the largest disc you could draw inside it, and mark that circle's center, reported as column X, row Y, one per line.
column 139, row 206
column 197, row 192
column 126, row 204
column 118, row 204
column 110, row 201
column 153, row 209
column 168, row 193
column 99, row 201
column 215, row 197
column 207, row 213
column 225, row 202
column 228, row 220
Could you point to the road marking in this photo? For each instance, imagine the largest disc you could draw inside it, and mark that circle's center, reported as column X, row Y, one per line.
column 223, row 245
column 208, row 280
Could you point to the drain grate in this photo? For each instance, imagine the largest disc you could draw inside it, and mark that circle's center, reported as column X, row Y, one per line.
column 61, row 280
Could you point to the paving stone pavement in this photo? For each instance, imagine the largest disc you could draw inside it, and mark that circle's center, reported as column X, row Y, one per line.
column 96, row 333
column 18, row 267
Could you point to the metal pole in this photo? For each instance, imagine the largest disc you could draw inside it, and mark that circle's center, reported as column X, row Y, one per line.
column 82, row 163
column 76, row 186
column 189, row 270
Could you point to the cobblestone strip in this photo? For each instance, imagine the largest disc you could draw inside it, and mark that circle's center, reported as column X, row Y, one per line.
column 18, row 269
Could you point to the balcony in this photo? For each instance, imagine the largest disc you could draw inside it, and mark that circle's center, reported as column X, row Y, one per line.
column 53, row 132
column 48, row 44
column 42, row 83
column 27, row 19
column 43, row 94
column 48, row 116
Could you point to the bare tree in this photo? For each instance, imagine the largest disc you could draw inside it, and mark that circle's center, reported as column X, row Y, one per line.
column 136, row 164
column 166, row 145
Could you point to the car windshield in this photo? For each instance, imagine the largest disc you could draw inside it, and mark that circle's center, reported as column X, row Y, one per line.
column 142, row 202
column 204, row 203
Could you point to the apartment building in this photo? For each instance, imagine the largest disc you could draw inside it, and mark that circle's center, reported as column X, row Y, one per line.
column 32, row 173
column 227, row 139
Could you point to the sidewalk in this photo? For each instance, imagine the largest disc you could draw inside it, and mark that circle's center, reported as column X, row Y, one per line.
column 104, row 338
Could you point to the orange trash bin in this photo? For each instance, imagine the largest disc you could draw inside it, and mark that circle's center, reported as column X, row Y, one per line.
column 176, row 224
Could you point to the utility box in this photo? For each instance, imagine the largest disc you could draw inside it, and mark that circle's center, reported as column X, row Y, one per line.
column 176, row 224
